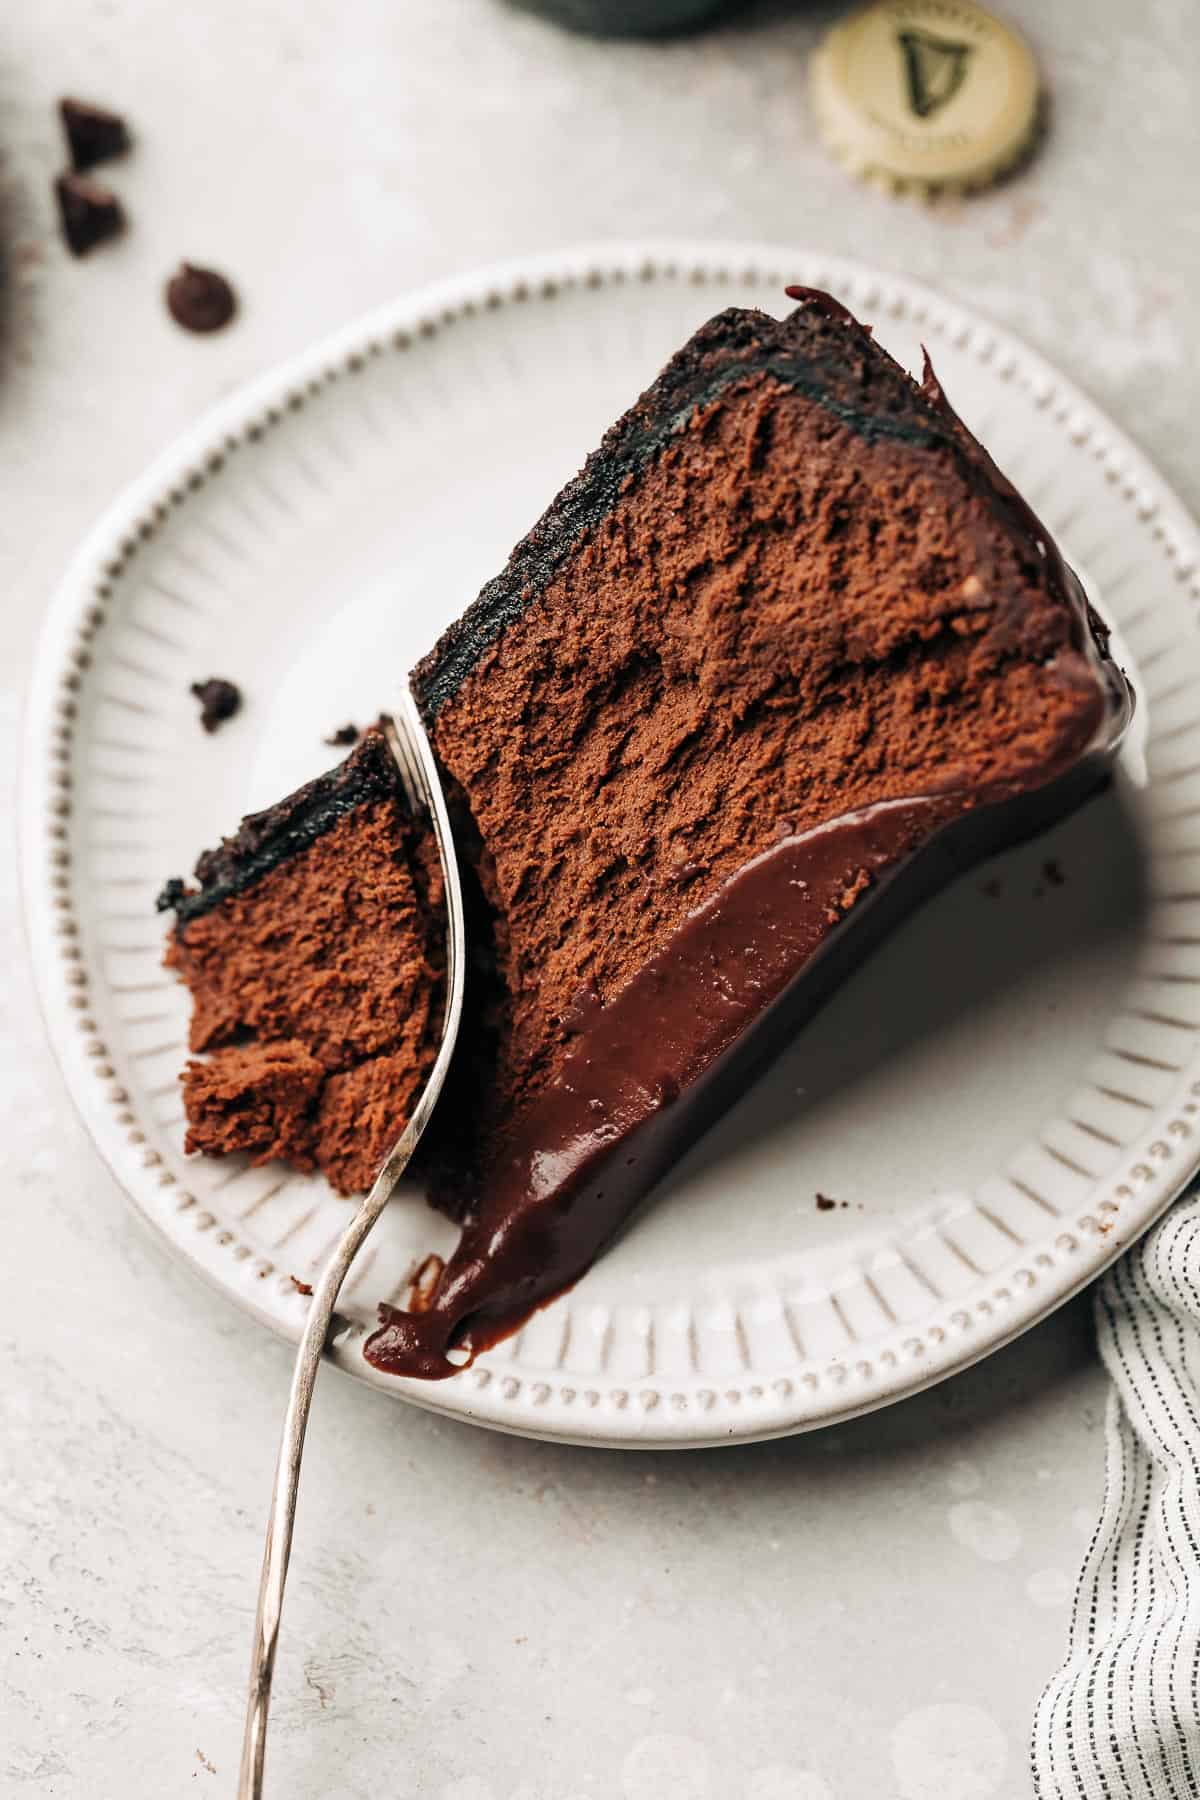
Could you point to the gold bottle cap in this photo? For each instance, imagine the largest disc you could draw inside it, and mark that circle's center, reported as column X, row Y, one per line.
column 924, row 95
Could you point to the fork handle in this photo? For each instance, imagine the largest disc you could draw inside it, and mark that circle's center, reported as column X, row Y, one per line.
column 414, row 757
column 287, row 1484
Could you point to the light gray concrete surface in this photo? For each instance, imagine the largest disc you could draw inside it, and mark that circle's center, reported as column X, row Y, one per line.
column 862, row 1613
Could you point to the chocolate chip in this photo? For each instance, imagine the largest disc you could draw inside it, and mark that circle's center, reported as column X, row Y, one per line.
column 200, row 299
column 219, row 700
column 345, row 734
column 93, row 133
column 89, row 212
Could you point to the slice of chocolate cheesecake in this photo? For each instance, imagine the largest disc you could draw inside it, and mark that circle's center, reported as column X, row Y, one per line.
column 785, row 655
column 312, row 946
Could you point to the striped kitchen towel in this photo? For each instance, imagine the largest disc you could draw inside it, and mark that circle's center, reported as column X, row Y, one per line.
column 1121, row 1719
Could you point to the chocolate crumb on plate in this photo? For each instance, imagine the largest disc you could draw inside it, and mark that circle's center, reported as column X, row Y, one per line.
column 200, row 299
column 345, row 734
column 301, row 1287
column 1052, row 870
column 93, row 132
column 219, row 700
column 173, row 892
column 89, row 212
column 825, row 1204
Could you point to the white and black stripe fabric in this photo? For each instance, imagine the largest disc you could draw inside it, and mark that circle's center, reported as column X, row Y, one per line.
column 1121, row 1719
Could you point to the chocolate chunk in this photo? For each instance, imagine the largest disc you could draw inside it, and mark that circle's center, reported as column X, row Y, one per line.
column 93, row 133
column 200, row 299
column 219, row 700
column 345, row 734
column 89, row 212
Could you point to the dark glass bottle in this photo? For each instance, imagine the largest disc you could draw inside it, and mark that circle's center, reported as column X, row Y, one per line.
column 627, row 18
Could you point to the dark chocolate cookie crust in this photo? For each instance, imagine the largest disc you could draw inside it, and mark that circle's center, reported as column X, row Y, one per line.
column 266, row 839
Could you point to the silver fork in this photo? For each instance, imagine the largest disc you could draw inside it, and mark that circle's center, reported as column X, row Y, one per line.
column 418, row 772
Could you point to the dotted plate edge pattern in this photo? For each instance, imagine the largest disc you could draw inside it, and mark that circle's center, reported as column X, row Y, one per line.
column 641, row 1414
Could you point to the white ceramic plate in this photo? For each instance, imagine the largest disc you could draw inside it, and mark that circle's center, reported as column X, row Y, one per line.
column 1000, row 1100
